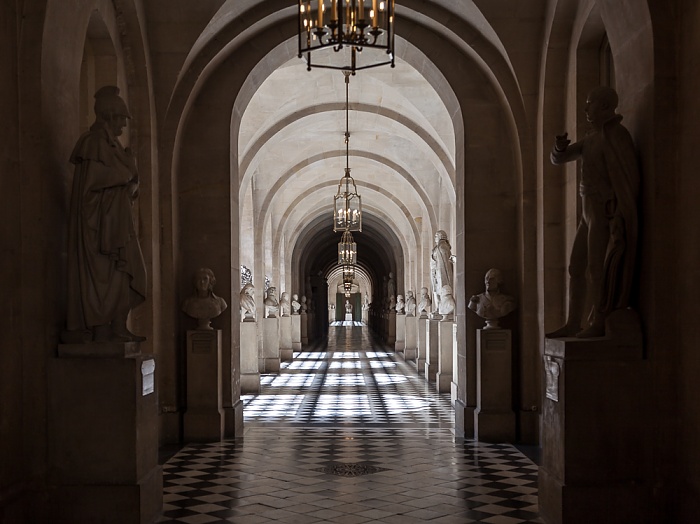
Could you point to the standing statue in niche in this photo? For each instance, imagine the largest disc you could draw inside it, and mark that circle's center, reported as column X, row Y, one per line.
column 601, row 267
column 425, row 303
column 284, row 304
column 204, row 304
column 440, row 267
column 391, row 289
column 247, row 303
column 106, row 271
column 492, row 304
column 447, row 303
column 410, row 304
column 272, row 305
column 296, row 306
column 348, row 307
column 400, row 305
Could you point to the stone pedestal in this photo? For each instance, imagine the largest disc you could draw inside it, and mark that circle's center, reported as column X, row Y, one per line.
column 422, row 349
column 411, row 345
column 250, row 371
column 303, row 316
column 400, row 342
column 455, row 366
column 391, row 328
column 271, row 345
column 595, row 453
column 432, row 346
column 286, row 339
column 348, row 317
column 103, row 435
column 203, row 421
column 443, row 377
column 494, row 418
column 296, row 332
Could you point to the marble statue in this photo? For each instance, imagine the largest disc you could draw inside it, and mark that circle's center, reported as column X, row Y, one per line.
column 106, row 271
column 425, row 303
column 204, row 304
column 441, row 267
column 348, row 307
column 392, row 303
column 400, row 305
column 602, row 259
column 492, row 304
column 410, row 304
column 391, row 286
column 365, row 303
column 296, row 306
column 303, row 304
column 285, row 307
column 247, row 303
column 272, row 305
column 447, row 303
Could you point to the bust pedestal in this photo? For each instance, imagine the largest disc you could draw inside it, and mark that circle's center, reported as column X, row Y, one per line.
column 103, row 435
column 422, row 350
column 304, row 321
column 443, row 377
column 286, row 339
column 203, row 421
column 411, row 345
column 391, row 328
column 271, row 345
column 432, row 343
column 400, row 342
column 296, row 333
column 250, row 371
column 494, row 419
column 595, row 456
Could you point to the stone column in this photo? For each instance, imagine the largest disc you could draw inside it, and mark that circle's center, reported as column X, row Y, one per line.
column 494, row 418
column 271, row 345
column 455, row 366
column 203, row 420
column 432, row 343
column 250, row 370
column 411, row 344
column 103, row 435
column 285, row 339
column 443, row 377
column 422, row 349
column 400, row 342
column 596, row 458
column 296, row 332
column 304, row 324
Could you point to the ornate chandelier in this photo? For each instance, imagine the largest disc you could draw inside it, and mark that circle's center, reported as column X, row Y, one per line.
column 347, row 250
column 347, row 204
column 364, row 36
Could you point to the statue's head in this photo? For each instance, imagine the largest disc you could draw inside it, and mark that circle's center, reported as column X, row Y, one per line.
column 248, row 290
column 295, row 297
column 493, row 279
column 440, row 235
column 409, row 294
column 285, row 296
column 204, row 279
column 424, row 291
column 446, row 291
column 601, row 103
column 272, row 292
column 111, row 109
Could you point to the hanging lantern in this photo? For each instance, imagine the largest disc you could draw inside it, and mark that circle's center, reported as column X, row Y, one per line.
column 347, row 250
column 361, row 35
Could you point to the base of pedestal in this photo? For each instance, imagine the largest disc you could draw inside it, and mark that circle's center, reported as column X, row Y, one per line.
column 399, row 345
column 430, row 371
column 250, row 383
column 271, row 365
column 409, row 354
column 233, row 420
column 494, row 426
column 464, row 420
column 296, row 346
column 443, row 382
column 286, row 355
column 420, row 365
column 203, row 424
column 453, row 392
column 109, row 504
column 623, row 502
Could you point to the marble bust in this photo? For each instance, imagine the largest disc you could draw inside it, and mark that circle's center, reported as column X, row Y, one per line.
column 492, row 304
column 204, row 304
column 296, row 306
column 425, row 303
column 247, row 303
column 272, row 305
column 447, row 303
column 285, row 307
column 400, row 304
column 303, row 304
column 410, row 304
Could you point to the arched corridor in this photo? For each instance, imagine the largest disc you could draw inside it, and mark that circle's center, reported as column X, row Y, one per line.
column 348, row 432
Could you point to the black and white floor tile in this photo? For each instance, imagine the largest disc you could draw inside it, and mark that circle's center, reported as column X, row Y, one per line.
column 349, row 434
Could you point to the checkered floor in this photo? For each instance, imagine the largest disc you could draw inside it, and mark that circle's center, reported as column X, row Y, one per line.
column 349, row 434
